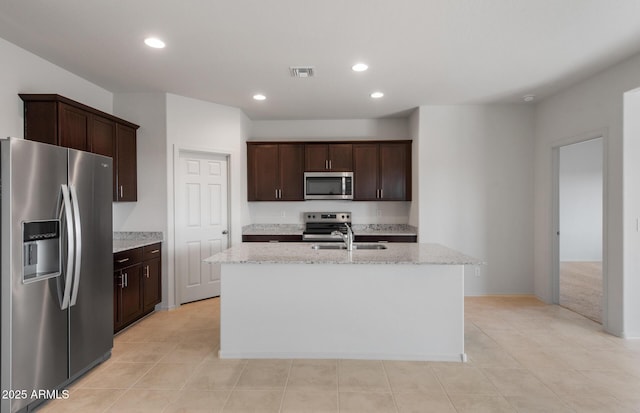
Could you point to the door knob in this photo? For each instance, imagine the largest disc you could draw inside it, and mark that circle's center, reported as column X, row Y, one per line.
column 225, row 232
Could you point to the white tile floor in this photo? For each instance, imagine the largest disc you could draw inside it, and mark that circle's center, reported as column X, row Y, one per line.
column 524, row 356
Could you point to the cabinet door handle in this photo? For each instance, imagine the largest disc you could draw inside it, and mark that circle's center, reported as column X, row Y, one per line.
column 326, row 164
column 123, row 260
column 124, row 280
column 330, row 164
column 155, row 251
column 121, row 191
column 146, row 271
column 381, row 193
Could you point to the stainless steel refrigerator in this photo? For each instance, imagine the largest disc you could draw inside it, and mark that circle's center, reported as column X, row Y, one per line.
column 57, row 269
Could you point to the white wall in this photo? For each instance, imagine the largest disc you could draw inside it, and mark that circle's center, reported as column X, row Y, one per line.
column 149, row 213
column 580, row 182
column 200, row 125
column 631, row 136
column 331, row 129
column 476, row 179
column 590, row 109
column 415, row 212
column 24, row 72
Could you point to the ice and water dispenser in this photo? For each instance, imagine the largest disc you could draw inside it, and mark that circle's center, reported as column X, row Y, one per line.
column 41, row 250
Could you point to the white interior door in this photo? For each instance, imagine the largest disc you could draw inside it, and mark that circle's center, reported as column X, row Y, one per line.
column 201, row 222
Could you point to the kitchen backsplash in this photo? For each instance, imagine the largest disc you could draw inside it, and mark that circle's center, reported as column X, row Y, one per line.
column 363, row 212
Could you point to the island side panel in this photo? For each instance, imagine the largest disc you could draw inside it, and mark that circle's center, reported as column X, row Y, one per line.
column 391, row 312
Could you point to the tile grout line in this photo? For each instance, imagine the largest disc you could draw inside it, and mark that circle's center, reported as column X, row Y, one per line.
column 132, row 384
column 233, row 388
column 444, row 390
column 393, row 396
column 193, row 372
column 338, row 362
column 286, row 383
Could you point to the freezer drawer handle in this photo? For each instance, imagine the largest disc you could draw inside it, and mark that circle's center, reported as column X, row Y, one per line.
column 78, row 244
column 123, row 260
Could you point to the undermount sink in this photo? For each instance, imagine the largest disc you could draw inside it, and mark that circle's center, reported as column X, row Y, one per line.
column 344, row 247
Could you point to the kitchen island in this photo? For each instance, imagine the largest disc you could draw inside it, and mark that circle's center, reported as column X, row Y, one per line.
column 404, row 302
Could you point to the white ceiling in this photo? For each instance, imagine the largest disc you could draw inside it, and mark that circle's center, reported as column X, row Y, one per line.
column 420, row 52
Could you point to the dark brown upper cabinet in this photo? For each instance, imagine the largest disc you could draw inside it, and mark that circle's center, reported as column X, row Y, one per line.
column 57, row 120
column 275, row 171
column 319, row 157
column 73, row 128
column 125, row 164
column 382, row 171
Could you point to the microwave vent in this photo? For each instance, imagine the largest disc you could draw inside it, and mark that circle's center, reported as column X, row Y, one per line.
column 301, row 71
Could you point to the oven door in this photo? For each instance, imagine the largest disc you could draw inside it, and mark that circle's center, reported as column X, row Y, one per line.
column 328, row 185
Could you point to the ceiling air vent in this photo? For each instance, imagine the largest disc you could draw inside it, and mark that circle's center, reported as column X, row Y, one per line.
column 301, row 71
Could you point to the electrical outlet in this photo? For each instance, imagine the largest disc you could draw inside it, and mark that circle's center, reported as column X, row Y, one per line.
column 283, row 214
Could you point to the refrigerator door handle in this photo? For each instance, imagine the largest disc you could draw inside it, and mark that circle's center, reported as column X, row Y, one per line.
column 78, row 244
column 66, row 209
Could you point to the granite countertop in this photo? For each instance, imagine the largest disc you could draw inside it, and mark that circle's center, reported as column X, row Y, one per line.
column 358, row 229
column 123, row 241
column 302, row 253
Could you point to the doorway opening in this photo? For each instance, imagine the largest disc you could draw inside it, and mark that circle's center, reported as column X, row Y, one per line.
column 579, row 230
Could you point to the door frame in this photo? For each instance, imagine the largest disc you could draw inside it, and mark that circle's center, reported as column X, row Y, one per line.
column 555, row 221
column 177, row 150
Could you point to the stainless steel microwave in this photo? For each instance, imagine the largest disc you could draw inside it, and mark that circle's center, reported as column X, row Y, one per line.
column 328, row 185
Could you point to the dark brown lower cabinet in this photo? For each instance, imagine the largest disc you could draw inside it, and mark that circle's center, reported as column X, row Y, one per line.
column 152, row 287
column 130, row 294
column 386, row 238
column 358, row 238
column 137, row 286
column 272, row 238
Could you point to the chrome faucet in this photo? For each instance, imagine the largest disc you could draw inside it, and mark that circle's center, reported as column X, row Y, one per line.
column 346, row 238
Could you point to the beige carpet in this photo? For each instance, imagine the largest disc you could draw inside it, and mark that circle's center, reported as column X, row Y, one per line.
column 581, row 288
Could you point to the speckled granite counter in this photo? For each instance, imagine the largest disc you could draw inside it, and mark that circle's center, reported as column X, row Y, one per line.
column 384, row 229
column 123, row 241
column 358, row 229
column 302, row 253
column 273, row 229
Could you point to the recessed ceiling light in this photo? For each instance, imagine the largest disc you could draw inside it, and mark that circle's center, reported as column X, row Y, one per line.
column 359, row 67
column 259, row 96
column 154, row 42
column 528, row 98
column 377, row 95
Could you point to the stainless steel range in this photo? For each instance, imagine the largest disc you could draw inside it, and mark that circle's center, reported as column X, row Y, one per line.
column 320, row 225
